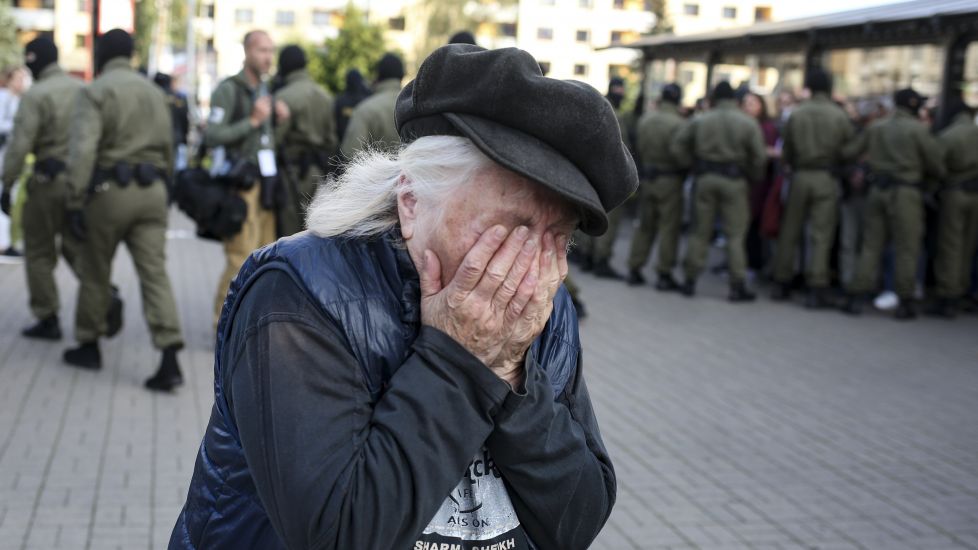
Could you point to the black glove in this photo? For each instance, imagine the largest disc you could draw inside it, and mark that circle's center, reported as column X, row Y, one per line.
column 76, row 224
column 5, row 201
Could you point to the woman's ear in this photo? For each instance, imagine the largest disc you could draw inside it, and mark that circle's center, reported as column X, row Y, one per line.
column 407, row 208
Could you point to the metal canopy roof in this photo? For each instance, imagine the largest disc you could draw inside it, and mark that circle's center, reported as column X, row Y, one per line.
column 910, row 22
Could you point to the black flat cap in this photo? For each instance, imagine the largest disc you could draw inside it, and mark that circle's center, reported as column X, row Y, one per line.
column 560, row 133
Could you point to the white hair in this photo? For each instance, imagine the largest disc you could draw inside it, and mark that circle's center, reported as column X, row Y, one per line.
column 362, row 201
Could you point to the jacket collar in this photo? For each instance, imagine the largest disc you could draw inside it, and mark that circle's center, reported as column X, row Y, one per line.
column 51, row 70
column 726, row 104
column 962, row 119
column 389, row 85
column 668, row 107
column 297, row 75
column 116, row 64
column 408, row 275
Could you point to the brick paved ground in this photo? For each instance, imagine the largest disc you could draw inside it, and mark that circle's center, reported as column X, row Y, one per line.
column 759, row 426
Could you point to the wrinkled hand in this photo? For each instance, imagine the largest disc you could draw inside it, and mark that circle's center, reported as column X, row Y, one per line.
column 5, row 201
column 76, row 224
column 282, row 112
column 480, row 308
column 261, row 110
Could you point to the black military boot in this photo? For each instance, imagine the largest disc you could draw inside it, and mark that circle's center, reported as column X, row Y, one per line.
column 45, row 329
column 739, row 293
column 113, row 317
column 604, row 271
column 906, row 311
column 168, row 376
column 666, row 283
column 853, row 305
column 635, row 278
column 85, row 356
column 817, row 298
column 943, row 307
column 688, row 288
column 781, row 292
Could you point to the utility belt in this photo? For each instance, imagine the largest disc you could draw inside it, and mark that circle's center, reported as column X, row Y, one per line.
column 124, row 173
column 727, row 169
column 886, row 181
column 652, row 172
column 969, row 186
column 49, row 167
column 832, row 169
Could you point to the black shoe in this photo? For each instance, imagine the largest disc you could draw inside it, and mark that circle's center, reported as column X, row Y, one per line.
column 817, row 299
column 905, row 311
column 853, row 305
column 781, row 292
column 113, row 318
column 739, row 293
column 45, row 329
column 665, row 283
column 688, row 288
column 168, row 376
column 579, row 306
column 635, row 278
column 85, row 356
column 604, row 271
column 943, row 307
column 587, row 264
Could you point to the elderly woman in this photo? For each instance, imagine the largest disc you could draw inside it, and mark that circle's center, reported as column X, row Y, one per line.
column 407, row 374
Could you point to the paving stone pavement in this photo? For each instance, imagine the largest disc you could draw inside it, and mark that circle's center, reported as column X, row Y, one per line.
column 731, row 426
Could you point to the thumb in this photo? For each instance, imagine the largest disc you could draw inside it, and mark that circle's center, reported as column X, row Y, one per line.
column 430, row 274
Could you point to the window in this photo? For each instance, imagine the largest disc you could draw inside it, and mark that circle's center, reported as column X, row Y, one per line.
column 616, row 36
column 320, row 18
column 545, row 33
column 544, row 67
column 729, row 12
column 507, row 29
column 396, row 23
column 692, row 10
column 285, row 18
column 83, row 5
column 209, row 44
column 583, row 36
column 243, row 15
column 762, row 13
column 80, row 40
column 209, row 11
column 586, row 4
column 618, row 4
column 580, row 69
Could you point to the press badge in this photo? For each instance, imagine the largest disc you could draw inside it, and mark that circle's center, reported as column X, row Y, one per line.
column 266, row 163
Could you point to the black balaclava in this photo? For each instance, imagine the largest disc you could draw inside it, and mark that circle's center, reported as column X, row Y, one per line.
column 163, row 80
column 462, row 37
column 115, row 43
column 908, row 99
column 291, row 59
column 355, row 84
column 38, row 54
column 722, row 91
column 390, row 66
column 616, row 92
column 671, row 93
column 817, row 80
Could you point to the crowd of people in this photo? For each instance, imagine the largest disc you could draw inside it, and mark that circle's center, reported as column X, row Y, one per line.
column 845, row 201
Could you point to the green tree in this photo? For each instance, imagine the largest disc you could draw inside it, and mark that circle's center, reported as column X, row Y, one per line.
column 359, row 45
column 443, row 18
column 11, row 52
column 662, row 24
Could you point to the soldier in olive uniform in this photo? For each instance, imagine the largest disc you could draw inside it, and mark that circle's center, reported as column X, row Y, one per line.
column 902, row 155
column 958, row 232
column 372, row 122
column 814, row 137
column 306, row 140
column 119, row 159
column 41, row 127
column 661, row 205
column 240, row 126
column 726, row 149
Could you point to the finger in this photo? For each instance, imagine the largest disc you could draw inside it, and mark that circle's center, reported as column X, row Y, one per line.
column 474, row 264
column 562, row 256
column 430, row 274
column 501, row 263
column 549, row 272
column 521, row 266
column 527, row 289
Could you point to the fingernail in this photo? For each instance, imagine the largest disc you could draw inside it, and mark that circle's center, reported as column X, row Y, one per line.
column 499, row 231
column 521, row 231
column 530, row 246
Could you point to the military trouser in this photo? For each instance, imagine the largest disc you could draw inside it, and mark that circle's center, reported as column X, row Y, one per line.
column 851, row 222
column 602, row 246
column 660, row 214
column 298, row 191
column 957, row 240
column 43, row 222
column 813, row 198
column 257, row 230
column 893, row 214
column 727, row 196
column 137, row 216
